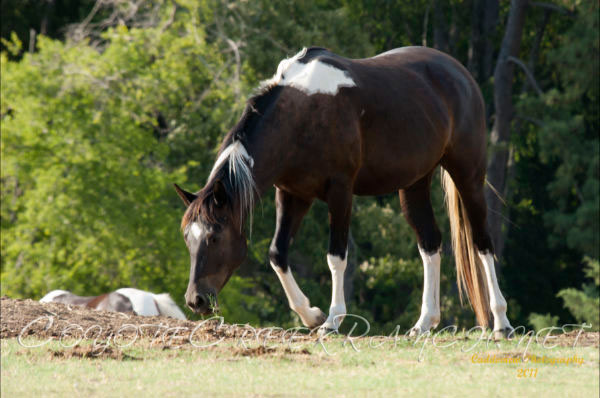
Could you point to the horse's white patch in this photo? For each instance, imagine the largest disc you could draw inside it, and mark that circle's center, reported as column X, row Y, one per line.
column 337, row 310
column 196, row 231
column 311, row 316
column 312, row 78
column 167, row 306
column 430, row 307
column 143, row 302
column 48, row 298
column 497, row 301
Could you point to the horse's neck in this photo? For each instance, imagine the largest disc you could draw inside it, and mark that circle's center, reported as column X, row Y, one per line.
column 267, row 152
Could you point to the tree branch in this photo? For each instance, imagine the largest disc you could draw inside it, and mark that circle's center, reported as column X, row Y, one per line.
column 530, row 119
column 528, row 73
column 553, row 7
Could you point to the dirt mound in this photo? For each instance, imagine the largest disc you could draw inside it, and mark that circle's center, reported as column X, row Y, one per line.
column 28, row 318
column 23, row 318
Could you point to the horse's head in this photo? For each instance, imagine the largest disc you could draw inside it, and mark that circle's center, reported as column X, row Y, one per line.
column 216, row 242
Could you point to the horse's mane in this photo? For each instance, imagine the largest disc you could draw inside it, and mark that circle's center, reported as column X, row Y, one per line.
column 233, row 167
column 233, row 171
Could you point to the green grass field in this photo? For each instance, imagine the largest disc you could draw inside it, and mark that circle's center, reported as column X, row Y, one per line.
column 311, row 369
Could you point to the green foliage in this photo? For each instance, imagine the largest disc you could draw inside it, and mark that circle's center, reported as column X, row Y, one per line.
column 96, row 127
column 567, row 135
column 89, row 149
column 539, row 321
column 584, row 304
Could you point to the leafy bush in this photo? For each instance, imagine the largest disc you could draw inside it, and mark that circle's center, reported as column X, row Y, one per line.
column 584, row 304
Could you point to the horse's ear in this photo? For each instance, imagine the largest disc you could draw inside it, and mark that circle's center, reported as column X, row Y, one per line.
column 186, row 196
column 219, row 194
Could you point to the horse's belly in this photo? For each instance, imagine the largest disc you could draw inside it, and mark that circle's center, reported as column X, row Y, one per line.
column 391, row 164
column 381, row 182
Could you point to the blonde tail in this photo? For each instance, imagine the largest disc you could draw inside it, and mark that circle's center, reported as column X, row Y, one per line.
column 469, row 272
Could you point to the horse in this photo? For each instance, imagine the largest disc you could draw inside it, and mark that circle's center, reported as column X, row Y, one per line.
column 123, row 300
column 327, row 127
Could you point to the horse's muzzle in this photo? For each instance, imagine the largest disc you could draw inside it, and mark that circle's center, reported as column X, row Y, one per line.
column 200, row 303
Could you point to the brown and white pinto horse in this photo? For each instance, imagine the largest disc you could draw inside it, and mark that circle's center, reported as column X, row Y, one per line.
column 123, row 300
column 327, row 127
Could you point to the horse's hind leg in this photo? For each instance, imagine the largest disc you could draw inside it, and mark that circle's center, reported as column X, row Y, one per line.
column 416, row 206
column 471, row 190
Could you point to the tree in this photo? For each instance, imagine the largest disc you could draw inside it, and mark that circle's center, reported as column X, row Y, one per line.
column 500, row 136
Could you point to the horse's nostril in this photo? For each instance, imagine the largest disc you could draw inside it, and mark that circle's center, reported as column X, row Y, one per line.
column 200, row 301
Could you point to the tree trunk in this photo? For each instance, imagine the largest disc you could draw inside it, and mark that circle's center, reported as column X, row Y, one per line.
column 533, row 55
column 484, row 19
column 489, row 22
column 440, row 28
column 500, row 136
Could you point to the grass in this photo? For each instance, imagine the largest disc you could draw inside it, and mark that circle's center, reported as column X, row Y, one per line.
column 228, row 369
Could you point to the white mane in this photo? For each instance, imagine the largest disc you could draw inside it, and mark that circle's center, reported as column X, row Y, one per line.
column 240, row 175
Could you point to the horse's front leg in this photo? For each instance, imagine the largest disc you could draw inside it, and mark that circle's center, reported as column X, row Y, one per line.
column 290, row 211
column 339, row 200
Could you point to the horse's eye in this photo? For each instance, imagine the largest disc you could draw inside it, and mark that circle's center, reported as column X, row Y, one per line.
column 213, row 239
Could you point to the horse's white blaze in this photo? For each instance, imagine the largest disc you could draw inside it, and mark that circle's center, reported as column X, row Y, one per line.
column 167, row 306
column 337, row 310
column 195, row 230
column 297, row 300
column 48, row 298
column 312, row 77
column 143, row 302
column 430, row 307
column 497, row 301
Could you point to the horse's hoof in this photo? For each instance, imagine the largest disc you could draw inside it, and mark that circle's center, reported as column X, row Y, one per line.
column 502, row 334
column 415, row 332
column 319, row 318
column 326, row 331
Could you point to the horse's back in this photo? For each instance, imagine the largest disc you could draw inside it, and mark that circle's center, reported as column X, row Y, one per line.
column 415, row 105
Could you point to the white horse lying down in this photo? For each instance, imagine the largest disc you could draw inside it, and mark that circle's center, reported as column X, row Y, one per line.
column 123, row 300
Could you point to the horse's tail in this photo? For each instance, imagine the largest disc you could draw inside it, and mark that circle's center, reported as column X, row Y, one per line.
column 166, row 306
column 469, row 272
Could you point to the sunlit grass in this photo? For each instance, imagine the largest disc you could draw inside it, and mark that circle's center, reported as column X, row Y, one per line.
column 335, row 367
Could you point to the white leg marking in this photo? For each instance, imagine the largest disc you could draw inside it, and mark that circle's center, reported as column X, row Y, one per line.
column 430, row 308
column 497, row 301
column 337, row 310
column 310, row 316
